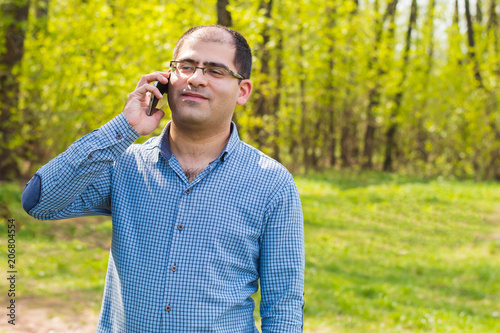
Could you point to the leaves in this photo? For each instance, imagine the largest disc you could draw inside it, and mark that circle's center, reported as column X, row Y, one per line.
column 334, row 67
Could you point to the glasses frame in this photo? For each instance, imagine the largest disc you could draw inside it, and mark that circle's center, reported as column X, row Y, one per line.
column 234, row 74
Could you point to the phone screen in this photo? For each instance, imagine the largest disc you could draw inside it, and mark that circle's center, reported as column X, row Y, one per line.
column 156, row 103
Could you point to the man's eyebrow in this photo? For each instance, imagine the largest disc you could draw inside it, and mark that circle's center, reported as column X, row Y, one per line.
column 209, row 63
column 215, row 64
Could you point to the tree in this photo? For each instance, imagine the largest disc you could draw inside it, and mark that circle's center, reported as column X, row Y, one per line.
column 15, row 16
column 393, row 121
column 332, row 79
column 375, row 81
column 331, row 138
column 472, row 44
column 223, row 15
column 264, row 92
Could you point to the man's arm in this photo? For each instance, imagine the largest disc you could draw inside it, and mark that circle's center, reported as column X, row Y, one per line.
column 282, row 263
column 78, row 181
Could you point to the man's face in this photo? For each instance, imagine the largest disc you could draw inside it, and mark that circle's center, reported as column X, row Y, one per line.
column 198, row 102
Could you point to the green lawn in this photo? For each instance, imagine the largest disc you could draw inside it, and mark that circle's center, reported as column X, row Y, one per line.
column 384, row 253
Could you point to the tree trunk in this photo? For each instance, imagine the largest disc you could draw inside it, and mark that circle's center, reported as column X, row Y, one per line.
column 262, row 92
column 374, row 93
column 331, row 136
column 348, row 139
column 316, row 153
column 472, row 45
column 421, row 132
column 479, row 12
column 393, row 126
column 277, row 95
column 223, row 15
column 492, row 25
column 304, row 134
column 16, row 13
column 493, row 18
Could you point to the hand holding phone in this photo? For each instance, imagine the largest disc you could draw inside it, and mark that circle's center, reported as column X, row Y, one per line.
column 137, row 105
column 154, row 100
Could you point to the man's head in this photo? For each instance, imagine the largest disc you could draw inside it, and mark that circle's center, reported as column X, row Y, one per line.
column 220, row 34
column 201, row 95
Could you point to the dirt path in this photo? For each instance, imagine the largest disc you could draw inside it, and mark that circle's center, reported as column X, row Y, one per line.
column 49, row 318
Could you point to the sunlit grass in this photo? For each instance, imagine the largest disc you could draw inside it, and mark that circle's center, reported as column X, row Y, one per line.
column 401, row 255
column 384, row 253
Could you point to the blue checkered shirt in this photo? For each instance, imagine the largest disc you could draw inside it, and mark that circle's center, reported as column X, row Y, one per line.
column 185, row 257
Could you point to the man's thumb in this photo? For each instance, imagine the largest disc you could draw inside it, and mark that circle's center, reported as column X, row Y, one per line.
column 159, row 114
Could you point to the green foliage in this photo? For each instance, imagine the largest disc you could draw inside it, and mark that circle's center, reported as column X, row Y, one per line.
column 10, row 196
column 332, row 58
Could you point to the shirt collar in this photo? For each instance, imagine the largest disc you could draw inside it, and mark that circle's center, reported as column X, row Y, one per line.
column 162, row 143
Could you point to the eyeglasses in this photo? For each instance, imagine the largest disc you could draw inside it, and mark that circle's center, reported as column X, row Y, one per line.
column 212, row 73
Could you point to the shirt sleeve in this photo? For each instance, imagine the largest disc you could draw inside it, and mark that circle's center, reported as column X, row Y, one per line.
column 282, row 263
column 78, row 181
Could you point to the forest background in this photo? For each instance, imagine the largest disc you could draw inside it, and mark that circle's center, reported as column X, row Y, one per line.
column 400, row 85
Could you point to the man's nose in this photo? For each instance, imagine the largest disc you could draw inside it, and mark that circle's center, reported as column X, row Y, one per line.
column 198, row 78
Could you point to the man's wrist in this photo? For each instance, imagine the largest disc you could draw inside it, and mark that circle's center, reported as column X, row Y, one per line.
column 119, row 134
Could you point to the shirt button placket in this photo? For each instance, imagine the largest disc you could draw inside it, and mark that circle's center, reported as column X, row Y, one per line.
column 180, row 227
column 173, row 268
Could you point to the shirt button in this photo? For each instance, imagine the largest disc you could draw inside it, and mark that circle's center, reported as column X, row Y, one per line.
column 90, row 156
column 180, row 227
column 174, row 268
column 119, row 136
column 188, row 191
column 168, row 308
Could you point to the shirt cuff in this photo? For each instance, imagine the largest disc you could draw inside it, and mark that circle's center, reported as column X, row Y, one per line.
column 119, row 134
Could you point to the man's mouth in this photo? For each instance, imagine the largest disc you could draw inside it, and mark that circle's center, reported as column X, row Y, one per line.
column 190, row 96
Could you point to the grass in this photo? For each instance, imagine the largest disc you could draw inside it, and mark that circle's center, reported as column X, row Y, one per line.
column 384, row 253
column 393, row 254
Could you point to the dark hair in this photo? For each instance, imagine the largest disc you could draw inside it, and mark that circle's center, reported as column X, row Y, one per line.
column 243, row 55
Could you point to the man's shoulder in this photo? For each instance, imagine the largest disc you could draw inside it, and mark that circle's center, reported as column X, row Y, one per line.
column 147, row 151
column 266, row 175
column 257, row 161
column 151, row 143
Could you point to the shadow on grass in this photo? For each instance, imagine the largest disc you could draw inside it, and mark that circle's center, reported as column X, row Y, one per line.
column 345, row 180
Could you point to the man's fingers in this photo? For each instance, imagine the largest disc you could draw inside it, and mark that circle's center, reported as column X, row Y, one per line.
column 156, row 76
column 142, row 90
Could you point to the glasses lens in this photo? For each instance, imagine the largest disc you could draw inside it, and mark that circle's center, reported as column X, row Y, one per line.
column 212, row 73
column 185, row 68
column 216, row 72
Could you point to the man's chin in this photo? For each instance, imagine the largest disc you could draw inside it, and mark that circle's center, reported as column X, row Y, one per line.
column 191, row 120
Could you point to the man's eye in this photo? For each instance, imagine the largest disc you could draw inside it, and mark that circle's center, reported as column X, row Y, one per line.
column 185, row 68
column 215, row 71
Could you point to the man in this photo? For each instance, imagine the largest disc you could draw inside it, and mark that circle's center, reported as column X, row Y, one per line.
column 198, row 216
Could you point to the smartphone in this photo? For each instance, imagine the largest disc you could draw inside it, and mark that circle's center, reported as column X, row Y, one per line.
column 154, row 100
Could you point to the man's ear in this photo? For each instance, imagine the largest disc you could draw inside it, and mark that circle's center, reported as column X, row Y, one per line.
column 244, row 92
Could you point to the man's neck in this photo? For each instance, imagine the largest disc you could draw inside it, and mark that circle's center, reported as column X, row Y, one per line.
column 195, row 149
